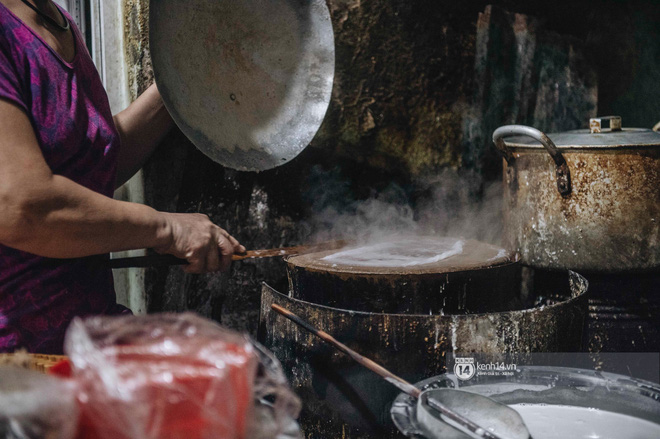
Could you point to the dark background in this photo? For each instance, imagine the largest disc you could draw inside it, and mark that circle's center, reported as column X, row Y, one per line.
column 419, row 88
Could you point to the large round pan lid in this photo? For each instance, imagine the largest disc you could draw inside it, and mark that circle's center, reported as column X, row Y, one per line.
column 247, row 81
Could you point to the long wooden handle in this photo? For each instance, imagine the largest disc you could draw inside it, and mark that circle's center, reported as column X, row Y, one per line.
column 470, row 427
column 399, row 382
column 168, row 260
column 144, row 261
column 288, row 251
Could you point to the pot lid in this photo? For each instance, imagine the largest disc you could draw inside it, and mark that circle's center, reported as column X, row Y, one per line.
column 598, row 136
column 247, row 81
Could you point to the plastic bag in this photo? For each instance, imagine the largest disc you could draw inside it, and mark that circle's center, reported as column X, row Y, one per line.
column 173, row 376
column 36, row 406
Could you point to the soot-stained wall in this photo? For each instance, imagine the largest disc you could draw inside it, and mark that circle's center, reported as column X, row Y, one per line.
column 419, row 87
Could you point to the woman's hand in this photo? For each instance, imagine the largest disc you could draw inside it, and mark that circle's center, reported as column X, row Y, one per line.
column 204, row 245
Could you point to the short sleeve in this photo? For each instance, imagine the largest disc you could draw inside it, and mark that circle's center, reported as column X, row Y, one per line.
column 10, row 86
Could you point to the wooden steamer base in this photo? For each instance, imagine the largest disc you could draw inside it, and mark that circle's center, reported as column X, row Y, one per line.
column 407, row 319
column 482, row 278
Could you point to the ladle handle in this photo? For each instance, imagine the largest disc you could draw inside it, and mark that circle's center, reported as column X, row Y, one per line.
column 399, row 382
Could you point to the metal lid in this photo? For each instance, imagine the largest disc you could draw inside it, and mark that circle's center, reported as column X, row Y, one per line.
column 596, row 137
column 247, row 81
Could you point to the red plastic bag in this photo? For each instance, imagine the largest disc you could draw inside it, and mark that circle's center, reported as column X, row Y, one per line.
column 169, row 376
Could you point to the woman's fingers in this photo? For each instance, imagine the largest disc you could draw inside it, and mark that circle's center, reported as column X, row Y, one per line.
column 226, row 250
column 213, row 262
column 237, row 247
column 196, row 264
column 204, row 245
column 216, row 256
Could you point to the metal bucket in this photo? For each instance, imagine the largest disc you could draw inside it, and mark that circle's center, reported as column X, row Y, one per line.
column 340, row 399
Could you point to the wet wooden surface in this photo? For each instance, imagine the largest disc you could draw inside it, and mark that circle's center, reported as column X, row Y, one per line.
column 477, row 280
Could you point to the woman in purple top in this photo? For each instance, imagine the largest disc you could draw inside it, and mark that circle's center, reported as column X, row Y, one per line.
column 62, row 154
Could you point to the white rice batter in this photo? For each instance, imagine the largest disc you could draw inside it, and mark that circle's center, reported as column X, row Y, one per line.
column 399, row 253
column 546, row 421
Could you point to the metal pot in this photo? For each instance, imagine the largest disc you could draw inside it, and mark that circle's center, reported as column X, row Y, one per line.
column 586, row 200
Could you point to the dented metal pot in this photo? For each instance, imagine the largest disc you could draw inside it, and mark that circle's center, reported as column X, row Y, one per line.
column 587, row 200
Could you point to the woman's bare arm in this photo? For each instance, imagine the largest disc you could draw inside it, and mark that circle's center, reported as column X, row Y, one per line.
column 50, row 215
column 141, row 127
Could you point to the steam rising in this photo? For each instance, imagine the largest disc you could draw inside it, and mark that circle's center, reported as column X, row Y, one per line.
column 451, row 204
column 399, row 253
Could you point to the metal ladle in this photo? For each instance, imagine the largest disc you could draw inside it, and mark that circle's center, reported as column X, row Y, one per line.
column 496, row 420
column 443, row 413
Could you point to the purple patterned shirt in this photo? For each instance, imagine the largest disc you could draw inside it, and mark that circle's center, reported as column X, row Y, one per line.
column 71, row 116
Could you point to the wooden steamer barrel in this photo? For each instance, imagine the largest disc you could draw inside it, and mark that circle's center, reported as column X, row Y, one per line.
column 406, row 318
column 474, row 277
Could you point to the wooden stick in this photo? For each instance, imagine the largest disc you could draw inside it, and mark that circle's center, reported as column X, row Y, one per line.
column 399, row 382
column 287, row 251
column 168, row 260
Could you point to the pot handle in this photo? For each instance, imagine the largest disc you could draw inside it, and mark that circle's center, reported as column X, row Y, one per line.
column 656, row 127
column 562, row 172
